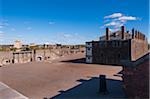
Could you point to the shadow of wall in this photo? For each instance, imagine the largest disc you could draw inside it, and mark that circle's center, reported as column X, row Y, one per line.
column 89, row 89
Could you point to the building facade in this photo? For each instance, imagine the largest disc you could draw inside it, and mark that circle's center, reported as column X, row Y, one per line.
column 117, row 46
column 17, row 44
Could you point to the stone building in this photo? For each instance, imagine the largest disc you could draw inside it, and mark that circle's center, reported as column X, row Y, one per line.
column 17, row 44
column 135, row 75
column 117, row 46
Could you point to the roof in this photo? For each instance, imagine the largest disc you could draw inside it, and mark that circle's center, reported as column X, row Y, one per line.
column 116, row 36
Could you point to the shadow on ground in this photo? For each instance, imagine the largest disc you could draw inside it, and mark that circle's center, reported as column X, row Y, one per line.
column 80, row 60
column 89, row 89
column 83, row 61
column 119, row 74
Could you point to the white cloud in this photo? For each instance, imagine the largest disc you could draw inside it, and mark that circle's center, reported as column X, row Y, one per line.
column 116, row 20
column 112, row 23
column 114, row 15
column 115, row 24
column 127, row 18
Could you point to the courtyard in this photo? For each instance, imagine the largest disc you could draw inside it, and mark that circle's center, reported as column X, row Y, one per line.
column 66, row 77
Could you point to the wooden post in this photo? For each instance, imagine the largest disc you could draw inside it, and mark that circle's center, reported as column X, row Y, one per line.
column 23, row 57
column 102, row 84
column 30, row 56
column 34, row 54
column 13, row 60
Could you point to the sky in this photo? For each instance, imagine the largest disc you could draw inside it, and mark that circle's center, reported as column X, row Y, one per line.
column 68, row 21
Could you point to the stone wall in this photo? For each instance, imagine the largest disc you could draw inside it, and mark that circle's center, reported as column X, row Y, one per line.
column 136, row 78
column 111, row 52
column 5, row 56
column 138, row 48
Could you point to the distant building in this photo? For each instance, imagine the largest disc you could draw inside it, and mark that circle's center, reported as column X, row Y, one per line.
column 117, row 46
column 18, row 44
column 32, row 44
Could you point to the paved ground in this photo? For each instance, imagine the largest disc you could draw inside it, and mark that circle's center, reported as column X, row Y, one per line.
column 8, row 93
column 47, row 79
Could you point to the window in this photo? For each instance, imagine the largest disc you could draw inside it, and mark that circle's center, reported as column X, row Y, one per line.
column 88, row 48
column 105, row 44
column 113, row 44
column 118, row 43
column 100, row 43
column 110, row 43
column 114, row 35
column 88, row 43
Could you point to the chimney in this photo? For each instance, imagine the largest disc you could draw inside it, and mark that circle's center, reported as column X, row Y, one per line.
column 122, row 32
column 107, row 34
column 139, row 35
column 142, row 36
column 133, row 33
column 136, row 34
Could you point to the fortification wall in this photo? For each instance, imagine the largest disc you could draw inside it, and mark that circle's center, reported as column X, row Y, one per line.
column 138, row 48
column 111, row 52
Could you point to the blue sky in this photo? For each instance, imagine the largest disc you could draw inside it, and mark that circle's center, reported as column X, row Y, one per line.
column 68, row 21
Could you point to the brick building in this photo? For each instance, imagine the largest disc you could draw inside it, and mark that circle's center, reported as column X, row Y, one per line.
column 136, row 76
column 117, row 46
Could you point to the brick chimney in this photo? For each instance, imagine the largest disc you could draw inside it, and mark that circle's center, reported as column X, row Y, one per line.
column 107, row 34
column 143, row 37
column 136, row 34
column 133, row 33
column 122, row 32
column 140, row 35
